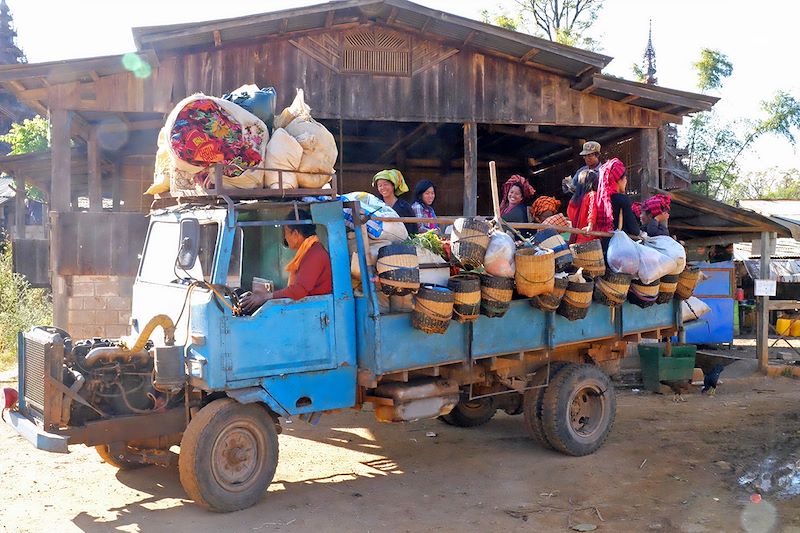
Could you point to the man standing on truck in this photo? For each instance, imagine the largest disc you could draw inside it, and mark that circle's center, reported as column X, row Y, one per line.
column 309, row 271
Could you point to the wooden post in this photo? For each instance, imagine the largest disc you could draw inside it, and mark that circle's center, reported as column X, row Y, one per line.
column 648, row 145
column 60, row 201
column 19, row 207
column 470, row 169
column 116, row 184
column 95, row 175
column 762, row 307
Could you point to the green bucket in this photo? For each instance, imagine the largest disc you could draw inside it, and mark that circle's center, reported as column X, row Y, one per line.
column 656, row 367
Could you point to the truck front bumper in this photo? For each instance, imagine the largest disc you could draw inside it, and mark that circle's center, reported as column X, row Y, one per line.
column 43, row 440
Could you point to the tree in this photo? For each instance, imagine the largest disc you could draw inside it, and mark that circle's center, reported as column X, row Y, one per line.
column 712, row 68
column 32, row 135
column 561, row 21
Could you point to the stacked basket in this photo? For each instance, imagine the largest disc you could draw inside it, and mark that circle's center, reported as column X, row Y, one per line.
column 398, row 269
column 496, row 295
column 612, row 288
column 466, row 296
column 576, row 301
column 535, row 271
column 469, row 242
column 589, row 257
column 433, row 309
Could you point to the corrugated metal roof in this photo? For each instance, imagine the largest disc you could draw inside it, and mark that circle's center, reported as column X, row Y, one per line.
column 785, row 248
column 403, row 14
column 785, row 212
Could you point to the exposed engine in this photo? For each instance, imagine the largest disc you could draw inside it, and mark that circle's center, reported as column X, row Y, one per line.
column 112, row 382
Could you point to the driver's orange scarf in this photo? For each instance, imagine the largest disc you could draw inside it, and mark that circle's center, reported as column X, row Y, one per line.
column 294, row 264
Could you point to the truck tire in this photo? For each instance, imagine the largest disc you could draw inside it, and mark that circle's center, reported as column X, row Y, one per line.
column 470, row 413
column 532, row 404
column 578, row 409
column 229, row 453
column 117, row 462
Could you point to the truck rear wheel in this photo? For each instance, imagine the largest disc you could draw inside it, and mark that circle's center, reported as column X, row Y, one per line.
column 532, row 404
column 578, row 409
column 229, row 453
column 115, row 460
column 470, row 413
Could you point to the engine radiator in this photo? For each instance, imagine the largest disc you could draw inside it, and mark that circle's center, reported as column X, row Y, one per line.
column 41, row 354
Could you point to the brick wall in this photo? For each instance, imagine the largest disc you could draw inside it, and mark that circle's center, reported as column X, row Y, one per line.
column 98, row 306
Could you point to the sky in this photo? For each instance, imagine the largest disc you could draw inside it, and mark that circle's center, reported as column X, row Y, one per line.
column 760, row 42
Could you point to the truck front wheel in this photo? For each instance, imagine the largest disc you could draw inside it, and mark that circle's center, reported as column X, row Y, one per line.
column 470, row 413
column 578, row 409
column 229, row 453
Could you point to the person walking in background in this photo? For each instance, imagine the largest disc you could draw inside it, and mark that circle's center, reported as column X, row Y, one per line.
column 517, row 194
column 424, row 196
column 391, row 184
column 580, row 208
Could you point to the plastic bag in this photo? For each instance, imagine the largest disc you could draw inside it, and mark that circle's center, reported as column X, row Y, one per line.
column 622, row 256
column 371, row 205
column 693, row 308
column 499, row 258
column 283, row 153
column 260, row 102
column 653, row 264
column 671, row 248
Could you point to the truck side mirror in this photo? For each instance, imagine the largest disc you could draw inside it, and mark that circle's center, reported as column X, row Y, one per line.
column 189, row 243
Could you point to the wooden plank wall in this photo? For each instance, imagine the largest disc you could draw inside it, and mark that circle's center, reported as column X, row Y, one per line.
column 31, row 259
column 462, row 86
column 98, row 243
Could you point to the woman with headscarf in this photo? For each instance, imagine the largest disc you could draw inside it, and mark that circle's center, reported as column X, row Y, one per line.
column 517, row 194
column 424, row 196
column 655, row 213
column 613, row 206
column 390, row 185
column 545, row 211
column 580, row 209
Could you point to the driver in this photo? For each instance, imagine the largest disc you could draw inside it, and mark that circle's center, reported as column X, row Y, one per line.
column 309, row 271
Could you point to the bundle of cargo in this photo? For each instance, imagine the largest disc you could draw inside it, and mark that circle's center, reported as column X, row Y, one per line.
column 202, row 131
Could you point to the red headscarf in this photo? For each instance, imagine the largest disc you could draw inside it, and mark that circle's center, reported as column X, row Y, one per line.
column 527, row 191
column 610, row 173
column 636, row 207
column 657, row 204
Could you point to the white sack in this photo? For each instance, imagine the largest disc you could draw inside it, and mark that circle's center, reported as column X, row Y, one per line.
column 622, row 256
column 283, row 153
column 693, row 308
column 671, row 248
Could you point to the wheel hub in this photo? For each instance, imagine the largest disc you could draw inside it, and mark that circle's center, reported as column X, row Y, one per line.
column 235, row 457
column 586, row 411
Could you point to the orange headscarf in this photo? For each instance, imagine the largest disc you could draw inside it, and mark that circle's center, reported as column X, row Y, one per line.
column 544, row 204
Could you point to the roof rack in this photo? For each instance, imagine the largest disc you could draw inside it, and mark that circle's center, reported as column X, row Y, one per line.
column 229, row 195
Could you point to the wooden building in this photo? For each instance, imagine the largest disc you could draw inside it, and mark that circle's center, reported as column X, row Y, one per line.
column 399, row 85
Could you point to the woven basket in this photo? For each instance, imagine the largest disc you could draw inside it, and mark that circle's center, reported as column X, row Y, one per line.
column 433, row 309
column 534, row 273
column 467, row 297
column 666, row 288
column 589, row 257
column 612, row 288
column 496, row 295
column 643, row 294
column 552, row 240
column 398, row 269
column 687, row 282
column 472, row 240
column 576, row 300
column 550, row 301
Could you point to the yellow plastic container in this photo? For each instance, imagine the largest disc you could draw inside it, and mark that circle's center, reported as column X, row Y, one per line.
column 783, row 326
column 794, row 330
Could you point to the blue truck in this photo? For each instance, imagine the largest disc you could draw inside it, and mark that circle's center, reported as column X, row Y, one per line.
column 197, row 373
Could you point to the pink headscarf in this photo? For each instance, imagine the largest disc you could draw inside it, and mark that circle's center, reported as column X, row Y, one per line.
column 610, row 173
column 527, row 191
column 657, row 204
column 636, row 207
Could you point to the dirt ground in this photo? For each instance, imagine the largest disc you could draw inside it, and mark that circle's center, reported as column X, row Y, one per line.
column 683, row 467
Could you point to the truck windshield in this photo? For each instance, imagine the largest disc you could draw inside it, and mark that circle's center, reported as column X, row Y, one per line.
column 158, row 263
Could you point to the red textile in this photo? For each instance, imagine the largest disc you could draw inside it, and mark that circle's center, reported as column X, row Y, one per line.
column 313, row 277
column 610, row 173
column 636, row 207
column 581, row 216
column 657, row 204
column 527, row 192
column 558, row 220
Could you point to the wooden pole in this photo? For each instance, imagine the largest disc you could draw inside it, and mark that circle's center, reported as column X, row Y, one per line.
column 116, row 184
column 19, row 207
column 495, row 196
column 762, row 307
column 648, row 142
column 95, row 175
column 470, row 169
column 514, row 225
column 60, row 202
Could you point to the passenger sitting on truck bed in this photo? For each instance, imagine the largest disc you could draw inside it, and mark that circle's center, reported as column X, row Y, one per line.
column 309, row 271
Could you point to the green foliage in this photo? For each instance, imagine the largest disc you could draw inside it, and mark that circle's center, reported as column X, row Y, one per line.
column 501, row 19
column 428, row 240
column 639, row 73
column 33, row 135
column 783, row 116
column 21, row 307
column 772, row 184
column 712, row 68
